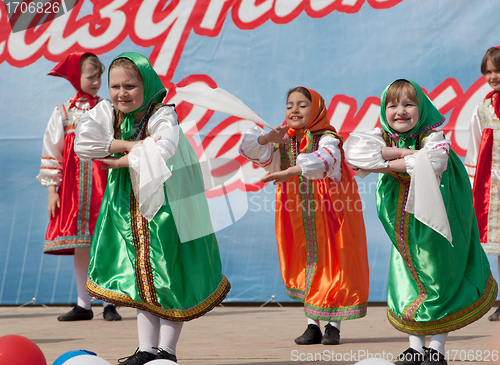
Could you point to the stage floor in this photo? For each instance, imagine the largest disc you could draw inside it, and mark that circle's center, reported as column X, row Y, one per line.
column 242, row 335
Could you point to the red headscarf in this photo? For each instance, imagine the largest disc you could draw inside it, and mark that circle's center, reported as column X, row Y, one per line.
column 318, row 121
column 493, row 95
column 69, row 68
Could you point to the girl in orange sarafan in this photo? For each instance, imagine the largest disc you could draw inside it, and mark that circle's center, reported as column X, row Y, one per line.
column 319, row 220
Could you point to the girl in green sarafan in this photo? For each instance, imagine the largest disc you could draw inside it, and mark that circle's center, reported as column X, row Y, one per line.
column 439, row 277
column 154, row 248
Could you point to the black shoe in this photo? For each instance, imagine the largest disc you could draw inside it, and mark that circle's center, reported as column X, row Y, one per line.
column 162, row 354
column 495, row 316
column 311, row 336
column 76, row 314
column 331, row 336
column 138, row 358
column 110, row 313
column 433, row 357
column 410, row 357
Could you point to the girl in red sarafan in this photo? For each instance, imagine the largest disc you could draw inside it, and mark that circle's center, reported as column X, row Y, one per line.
column 75, row 187
column 482, row 161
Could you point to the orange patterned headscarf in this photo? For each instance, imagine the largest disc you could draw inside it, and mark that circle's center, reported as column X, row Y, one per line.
column 317, row 122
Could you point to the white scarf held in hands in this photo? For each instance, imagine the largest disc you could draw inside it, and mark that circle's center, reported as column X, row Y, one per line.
column 425, row 200
column 218, row 100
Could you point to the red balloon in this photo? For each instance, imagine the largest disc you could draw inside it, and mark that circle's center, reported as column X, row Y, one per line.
column 19, row 350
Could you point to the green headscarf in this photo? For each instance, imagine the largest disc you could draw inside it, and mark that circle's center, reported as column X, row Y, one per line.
column 154, row 91
column 429, row 117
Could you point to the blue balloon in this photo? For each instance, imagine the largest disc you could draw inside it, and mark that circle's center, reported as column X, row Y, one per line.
column 68, row 355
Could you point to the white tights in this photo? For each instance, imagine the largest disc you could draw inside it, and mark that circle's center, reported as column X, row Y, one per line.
column 335, row 324
column 437, row 342
column 153, row 329
column 81, row 262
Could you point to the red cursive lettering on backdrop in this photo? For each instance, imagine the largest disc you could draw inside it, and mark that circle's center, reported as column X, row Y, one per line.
column 161, row 24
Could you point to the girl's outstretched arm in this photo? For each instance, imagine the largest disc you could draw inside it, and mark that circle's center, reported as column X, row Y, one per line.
column 263, row 155
column 111, row 162
column 282, row 176
column 275, row 136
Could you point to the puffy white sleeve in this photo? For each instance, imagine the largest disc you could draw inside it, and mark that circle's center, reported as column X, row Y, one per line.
column 363, row 150
column 262, row 155
column 147, row 162
column 437, row 147
column 95, row 132
column 324, row 162
column 52, row 151
column 475, row 134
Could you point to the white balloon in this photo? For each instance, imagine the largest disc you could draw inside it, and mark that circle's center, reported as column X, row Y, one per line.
column 86, row 360
column 162, row 362
column 371, row 361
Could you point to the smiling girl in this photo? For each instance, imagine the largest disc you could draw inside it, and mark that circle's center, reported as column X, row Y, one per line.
column 155, row 249
column 439, row 277
column 483, row 160
column 319, row 220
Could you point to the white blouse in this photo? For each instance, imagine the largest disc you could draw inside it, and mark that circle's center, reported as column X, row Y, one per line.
column 320, row 164
column 148, row 170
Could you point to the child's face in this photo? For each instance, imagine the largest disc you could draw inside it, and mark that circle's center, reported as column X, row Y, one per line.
column 90, row 80
column 402, row 115
column 125, row 89
column 492, row 75
column 298, row 110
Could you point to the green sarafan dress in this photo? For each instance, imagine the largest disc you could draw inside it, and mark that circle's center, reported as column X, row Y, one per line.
column 154, row 247
column 435, row 286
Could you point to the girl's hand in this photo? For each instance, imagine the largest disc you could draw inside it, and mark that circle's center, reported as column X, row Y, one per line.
column 275, row 136
column 282, row 176
column 393, row 153
column 118, row 145
column 397, row 165
column 139, row 143
column 54, row 201
column 111, row 162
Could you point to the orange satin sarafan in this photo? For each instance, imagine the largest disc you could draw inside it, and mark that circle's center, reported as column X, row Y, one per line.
column 322, row 246
column 321, row 233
